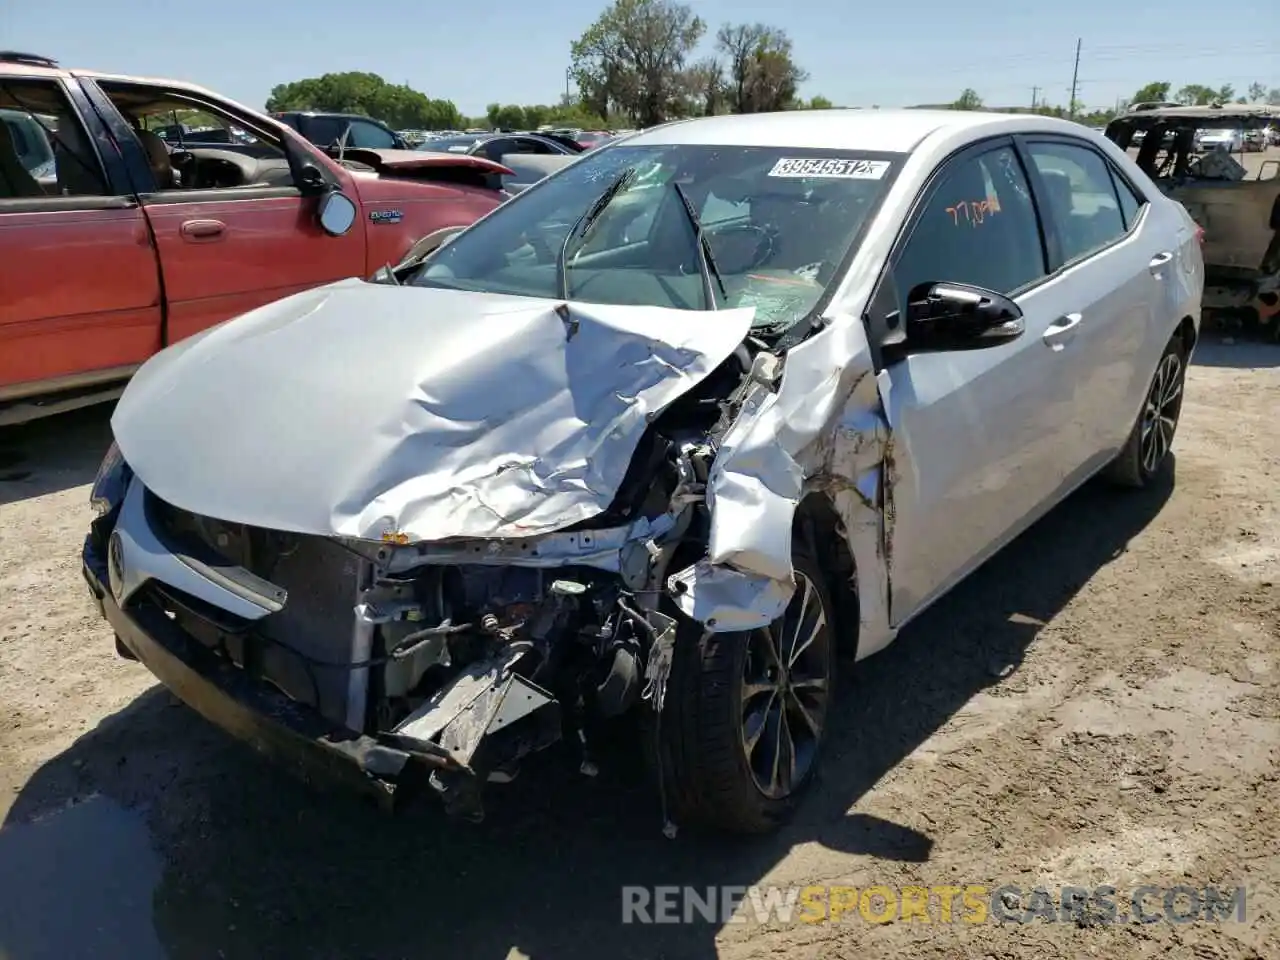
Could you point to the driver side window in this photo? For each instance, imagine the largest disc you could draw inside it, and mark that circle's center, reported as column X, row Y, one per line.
column 978, row 225
column 191, row 144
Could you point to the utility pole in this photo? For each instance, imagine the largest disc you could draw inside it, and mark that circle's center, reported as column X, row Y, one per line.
column 1035, row 98
column 568, row 72
column 1075, row 81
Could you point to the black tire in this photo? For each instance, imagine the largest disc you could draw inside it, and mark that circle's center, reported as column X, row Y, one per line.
column 707, row 770
column 1146, row 452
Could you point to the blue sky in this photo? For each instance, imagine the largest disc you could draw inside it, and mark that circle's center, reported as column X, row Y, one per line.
column 889, row 53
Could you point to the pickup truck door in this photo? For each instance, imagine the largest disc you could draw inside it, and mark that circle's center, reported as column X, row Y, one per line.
column 79, row 287
column 224, row 249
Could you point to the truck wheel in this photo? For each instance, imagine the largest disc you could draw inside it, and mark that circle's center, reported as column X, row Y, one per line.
column 746, row 713
column 1147, row 449
column 427, row 246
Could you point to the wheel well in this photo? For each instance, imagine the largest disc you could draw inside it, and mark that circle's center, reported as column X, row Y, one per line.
column 818, row 526
column 1187, row 331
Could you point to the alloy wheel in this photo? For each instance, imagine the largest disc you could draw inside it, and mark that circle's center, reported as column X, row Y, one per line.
column 1160, row 415
column 786, row 687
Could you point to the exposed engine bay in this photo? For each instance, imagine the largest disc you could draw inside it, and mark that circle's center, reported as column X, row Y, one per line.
column 471, row 654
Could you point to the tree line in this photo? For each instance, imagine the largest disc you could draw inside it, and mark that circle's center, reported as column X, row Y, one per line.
column 1198, row 94
column 636, row 65
column 1192, row 94
column 639, row 64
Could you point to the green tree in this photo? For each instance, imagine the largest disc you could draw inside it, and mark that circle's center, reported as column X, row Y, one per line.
column 968, row 100
column 1152, row 92
column 635, row 59
column 365, row 93
column 1196, row 94
column 507, row 117
column 763, row 75
column 1274, row 95
column 707, row 93
column 1256, row 92
column 820, row 103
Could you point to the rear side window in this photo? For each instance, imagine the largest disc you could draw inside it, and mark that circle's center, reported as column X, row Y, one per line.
column 44, row 149
column 324, row 131
column 977, row 225
column 1131, row 203
column 370, row 136
column 1079, row 197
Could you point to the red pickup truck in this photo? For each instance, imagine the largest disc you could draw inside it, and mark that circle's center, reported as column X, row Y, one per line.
column 115, row 242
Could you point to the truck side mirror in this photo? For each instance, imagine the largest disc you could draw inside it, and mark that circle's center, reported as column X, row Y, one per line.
column 336, row 213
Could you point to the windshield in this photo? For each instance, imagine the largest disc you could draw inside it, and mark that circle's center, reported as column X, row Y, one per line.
column 779, row 223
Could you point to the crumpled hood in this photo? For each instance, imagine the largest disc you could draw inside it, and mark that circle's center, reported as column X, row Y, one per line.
column 366, row 410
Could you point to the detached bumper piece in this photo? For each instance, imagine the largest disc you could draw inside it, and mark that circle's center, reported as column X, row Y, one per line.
column 506, row 718
column 488, row 719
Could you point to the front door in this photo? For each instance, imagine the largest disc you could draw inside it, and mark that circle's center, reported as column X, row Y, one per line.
column 981, row 438
column 232, row 228
column 79, row 290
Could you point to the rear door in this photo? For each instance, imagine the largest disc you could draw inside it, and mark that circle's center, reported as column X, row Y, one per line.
column 233, row 229
column 1110, row 260
column 80, row 301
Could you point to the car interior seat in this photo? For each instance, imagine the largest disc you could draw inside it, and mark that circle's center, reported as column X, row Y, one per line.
column 78, row 173
column 1061, row 203
column 15, row 180
column 157, row 158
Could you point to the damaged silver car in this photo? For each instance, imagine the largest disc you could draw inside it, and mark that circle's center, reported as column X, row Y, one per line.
column 666, row 435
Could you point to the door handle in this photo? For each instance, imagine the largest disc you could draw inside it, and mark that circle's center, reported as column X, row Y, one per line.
column 1062, row 331
column 1159, row 262
column 203, row 229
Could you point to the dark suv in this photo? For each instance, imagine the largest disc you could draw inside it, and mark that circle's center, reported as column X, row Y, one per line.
column 326, row 130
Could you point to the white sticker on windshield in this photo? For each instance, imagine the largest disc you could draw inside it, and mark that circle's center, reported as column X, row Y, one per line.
column 839, row 169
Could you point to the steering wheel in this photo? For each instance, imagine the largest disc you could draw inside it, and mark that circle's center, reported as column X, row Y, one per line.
column 541, row 248
column 184, row 161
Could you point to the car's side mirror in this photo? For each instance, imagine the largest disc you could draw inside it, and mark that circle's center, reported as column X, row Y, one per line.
column 959, row 316
column 336, row 213
column 311, row 178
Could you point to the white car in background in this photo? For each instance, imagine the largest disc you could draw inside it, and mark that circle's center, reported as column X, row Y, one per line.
column 1231, row 140
column 672, row 469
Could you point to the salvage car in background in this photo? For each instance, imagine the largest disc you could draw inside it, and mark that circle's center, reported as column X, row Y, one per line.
column 178, row 237
column 603, row 470
column 529, row 156
column 1239, row 212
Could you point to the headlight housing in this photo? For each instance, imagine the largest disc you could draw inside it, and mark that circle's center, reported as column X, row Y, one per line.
column 110, row 484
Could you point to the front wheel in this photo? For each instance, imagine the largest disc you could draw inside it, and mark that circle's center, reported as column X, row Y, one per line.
column 746, row 713
column 1147, row 449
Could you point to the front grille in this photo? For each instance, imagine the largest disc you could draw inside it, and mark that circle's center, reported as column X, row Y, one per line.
column 305, row 648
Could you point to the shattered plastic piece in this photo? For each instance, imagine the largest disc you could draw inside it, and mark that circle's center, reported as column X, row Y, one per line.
column 728, row 600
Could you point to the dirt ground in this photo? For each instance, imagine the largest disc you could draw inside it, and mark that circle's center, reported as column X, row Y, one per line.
column 1099, row 704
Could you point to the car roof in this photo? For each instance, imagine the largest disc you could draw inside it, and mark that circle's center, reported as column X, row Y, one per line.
column 887, row 131
column 1226, row 111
